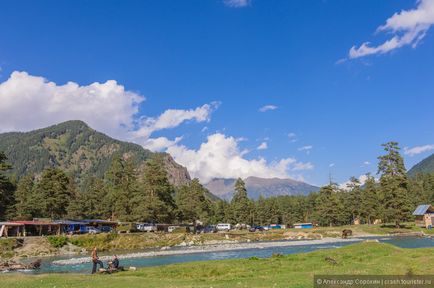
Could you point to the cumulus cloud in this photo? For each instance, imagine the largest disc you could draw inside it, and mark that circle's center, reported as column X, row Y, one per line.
column 418, row 149
column 160, row 143
column 30, row 102
column 263, row 146
column 267, row 108
column 409, row 27
column 220, row 156
column 237, row 3
column 174, row 117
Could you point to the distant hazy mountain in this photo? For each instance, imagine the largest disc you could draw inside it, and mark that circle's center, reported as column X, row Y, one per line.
column 424, row 166
column 267, row 187
column 77, row 149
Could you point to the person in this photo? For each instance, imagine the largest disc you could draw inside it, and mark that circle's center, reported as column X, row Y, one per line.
column 96, row 261
column 114, row 264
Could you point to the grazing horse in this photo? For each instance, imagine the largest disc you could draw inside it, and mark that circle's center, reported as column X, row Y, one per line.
column 346, row 233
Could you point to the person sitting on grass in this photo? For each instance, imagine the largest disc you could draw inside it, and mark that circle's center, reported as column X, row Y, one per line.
column 96, row 261
column 114, row 264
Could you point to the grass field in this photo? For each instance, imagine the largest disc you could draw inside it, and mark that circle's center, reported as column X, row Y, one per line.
column 296, row 270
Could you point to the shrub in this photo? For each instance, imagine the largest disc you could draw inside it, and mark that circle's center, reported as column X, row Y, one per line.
column 57, row 241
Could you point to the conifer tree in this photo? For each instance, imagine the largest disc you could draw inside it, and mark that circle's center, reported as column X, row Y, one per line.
column 370, row 201
column 394, row 185
column 192, row 204
column 240, row 203
column 54, row 193
column 24, row 199
column 6, row 187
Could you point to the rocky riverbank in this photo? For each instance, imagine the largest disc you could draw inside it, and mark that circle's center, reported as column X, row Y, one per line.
column 180, row 250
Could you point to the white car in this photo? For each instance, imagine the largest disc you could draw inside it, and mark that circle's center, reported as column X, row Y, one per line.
column 170, row 229
column 146, row 227
column 223, row 227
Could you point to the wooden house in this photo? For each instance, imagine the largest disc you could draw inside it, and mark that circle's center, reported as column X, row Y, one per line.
column 424, row 215
column 11, row 229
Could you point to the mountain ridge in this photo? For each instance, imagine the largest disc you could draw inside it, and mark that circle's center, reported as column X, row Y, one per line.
column 79, row 150
column 256, row 186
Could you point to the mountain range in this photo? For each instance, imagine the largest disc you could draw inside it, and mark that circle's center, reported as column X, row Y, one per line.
column 267, row 187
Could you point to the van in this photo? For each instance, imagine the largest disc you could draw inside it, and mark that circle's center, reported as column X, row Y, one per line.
column 223, row 227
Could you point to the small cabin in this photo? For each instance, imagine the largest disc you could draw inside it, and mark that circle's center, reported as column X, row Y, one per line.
column 303, row 225
column 424, row 215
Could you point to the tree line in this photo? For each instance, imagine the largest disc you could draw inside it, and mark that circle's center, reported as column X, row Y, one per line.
column 127, row 194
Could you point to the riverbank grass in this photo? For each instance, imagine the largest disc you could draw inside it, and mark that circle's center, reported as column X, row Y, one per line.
column 296, row 270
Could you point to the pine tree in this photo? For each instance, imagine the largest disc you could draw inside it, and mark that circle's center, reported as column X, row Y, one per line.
column 394, row 185
column 156, row 204
column 370, row 201
column 192, row 204
column 54, row 193
column 240, row 203
column 24, row 206
column 328, row 206
column 6, row 187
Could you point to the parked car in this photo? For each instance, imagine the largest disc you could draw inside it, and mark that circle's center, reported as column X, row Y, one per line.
column 146, row 227
column 106, row 229
column 223, row 227
column 170, row 229
column 93, row 230
column 256, row 228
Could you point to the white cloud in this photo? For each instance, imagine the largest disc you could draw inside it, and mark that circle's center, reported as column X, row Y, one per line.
column 366, row 163
column 362, row 180
column 220, row 156
column 306, row 148
column 160, row 143
column 332, row 165
column 409, row 27
column 267, row 108
column 292, row 137
column 174, row 117
column 237, row 3
column 30, row 102
column 263, row 146
column 418, row 149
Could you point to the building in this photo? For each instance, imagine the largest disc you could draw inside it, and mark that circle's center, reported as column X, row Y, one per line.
column 424, row 216
column 11, row 229
column 39, row 228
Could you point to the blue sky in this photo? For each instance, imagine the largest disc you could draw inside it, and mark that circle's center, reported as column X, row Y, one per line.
column 200, row 71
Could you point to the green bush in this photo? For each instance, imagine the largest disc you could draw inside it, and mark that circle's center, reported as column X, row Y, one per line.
column 57, row 241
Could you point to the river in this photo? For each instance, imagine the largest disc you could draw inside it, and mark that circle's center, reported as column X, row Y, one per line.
column 49, row 267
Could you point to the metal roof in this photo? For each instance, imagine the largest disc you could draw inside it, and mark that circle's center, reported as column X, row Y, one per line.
column 69, row 222
column 422, row 210
column 10, row 224
column 35, row 223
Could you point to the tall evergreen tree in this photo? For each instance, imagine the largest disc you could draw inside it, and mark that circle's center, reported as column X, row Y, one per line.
column 192, row 204
column 240, row 203
column 54, row 193
column 328, row 206
column 6, row 187
column 370, row 201
column 156, row 204
column 394, row 185
column 24, row 204
column 123, row 188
